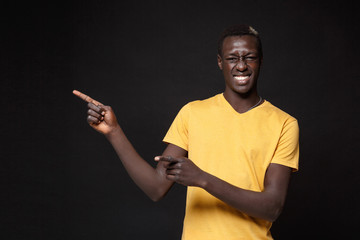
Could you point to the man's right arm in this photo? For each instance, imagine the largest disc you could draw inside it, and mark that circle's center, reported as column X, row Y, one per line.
column 152, row 181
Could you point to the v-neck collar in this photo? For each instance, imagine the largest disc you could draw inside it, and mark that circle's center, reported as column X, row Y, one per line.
column 231, row 109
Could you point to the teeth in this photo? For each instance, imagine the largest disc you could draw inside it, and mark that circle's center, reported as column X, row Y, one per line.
column 241, row 78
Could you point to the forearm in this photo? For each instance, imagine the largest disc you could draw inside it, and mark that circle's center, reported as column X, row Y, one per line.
column 102, row 118
column 150, row 180
column 265, row 205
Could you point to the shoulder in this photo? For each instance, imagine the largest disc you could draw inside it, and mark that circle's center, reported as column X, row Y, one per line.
column 273, row 112
column 204, row 104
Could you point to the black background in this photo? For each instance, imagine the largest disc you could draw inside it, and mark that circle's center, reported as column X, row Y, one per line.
column 62, row 180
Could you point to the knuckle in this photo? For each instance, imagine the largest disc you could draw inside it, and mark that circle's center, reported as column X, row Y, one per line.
column 105, row 108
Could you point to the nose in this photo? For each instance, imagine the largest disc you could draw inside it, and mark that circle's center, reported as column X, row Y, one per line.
column 241, row 65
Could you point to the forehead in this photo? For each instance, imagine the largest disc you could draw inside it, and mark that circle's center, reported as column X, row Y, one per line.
column 246, row 43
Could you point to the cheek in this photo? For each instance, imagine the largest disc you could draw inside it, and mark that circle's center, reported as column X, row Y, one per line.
column 228, row 68
column 227, row 74
column 255, row 67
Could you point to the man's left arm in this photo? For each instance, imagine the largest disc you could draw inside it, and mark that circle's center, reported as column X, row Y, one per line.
column 265, row 205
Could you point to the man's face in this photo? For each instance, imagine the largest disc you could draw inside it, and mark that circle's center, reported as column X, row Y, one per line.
column 240, row 64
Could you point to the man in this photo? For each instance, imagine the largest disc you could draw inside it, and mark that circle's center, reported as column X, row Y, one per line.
column 234, row 151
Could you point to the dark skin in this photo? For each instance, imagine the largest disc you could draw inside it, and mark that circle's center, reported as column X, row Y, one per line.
column 240, row 65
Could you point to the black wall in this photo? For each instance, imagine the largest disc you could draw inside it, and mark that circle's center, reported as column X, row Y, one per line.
column 62, row 180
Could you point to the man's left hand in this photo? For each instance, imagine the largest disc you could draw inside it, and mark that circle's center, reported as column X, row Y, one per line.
column 182, row 170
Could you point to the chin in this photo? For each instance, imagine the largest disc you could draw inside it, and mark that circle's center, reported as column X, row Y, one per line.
column 244, row 89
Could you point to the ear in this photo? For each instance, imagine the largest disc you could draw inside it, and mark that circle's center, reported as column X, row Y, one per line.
column 219, row 60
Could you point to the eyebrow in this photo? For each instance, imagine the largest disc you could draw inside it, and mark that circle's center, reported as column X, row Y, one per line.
column 236, row 54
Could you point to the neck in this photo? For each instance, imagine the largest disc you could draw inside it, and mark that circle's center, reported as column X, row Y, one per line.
column 242, row 102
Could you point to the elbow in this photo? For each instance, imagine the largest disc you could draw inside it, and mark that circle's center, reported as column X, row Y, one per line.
column 156, row 191
column 155, row 198
column 274, row 216
column 157, row 195
column 274, row 212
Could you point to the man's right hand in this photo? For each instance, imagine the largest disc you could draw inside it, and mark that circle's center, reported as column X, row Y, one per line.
column 102, row 118
column 152, row 181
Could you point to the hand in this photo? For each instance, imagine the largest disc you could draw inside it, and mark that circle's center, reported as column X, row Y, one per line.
column 182, row 170
column 102, row 118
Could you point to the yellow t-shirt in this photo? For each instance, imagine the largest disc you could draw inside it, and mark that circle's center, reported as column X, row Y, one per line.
column 238, row 149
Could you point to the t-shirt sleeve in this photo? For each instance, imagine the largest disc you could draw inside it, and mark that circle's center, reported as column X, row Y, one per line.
column 178, row 131
column 287, row 151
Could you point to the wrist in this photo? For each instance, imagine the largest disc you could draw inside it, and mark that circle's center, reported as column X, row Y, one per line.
column 115, row 131
column 204, row 180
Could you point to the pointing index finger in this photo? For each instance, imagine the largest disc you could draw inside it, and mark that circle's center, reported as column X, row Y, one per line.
column 86, row 98
column 169, row 159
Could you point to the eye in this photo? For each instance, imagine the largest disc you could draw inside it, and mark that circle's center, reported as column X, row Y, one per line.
column 232, row 59
column 251, row 58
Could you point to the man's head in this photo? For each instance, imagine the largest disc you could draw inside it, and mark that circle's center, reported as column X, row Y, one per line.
column 239, row 30
column 240, row 58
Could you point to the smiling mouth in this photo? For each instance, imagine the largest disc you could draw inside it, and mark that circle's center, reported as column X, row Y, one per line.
column 242, row 79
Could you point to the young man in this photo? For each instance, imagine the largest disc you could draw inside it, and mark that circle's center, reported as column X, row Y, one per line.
column 235, row 151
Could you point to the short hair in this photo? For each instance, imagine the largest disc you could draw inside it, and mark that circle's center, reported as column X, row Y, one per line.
column 239, row 30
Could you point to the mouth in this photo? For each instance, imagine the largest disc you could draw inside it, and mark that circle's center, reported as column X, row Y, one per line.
column 242, row 80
